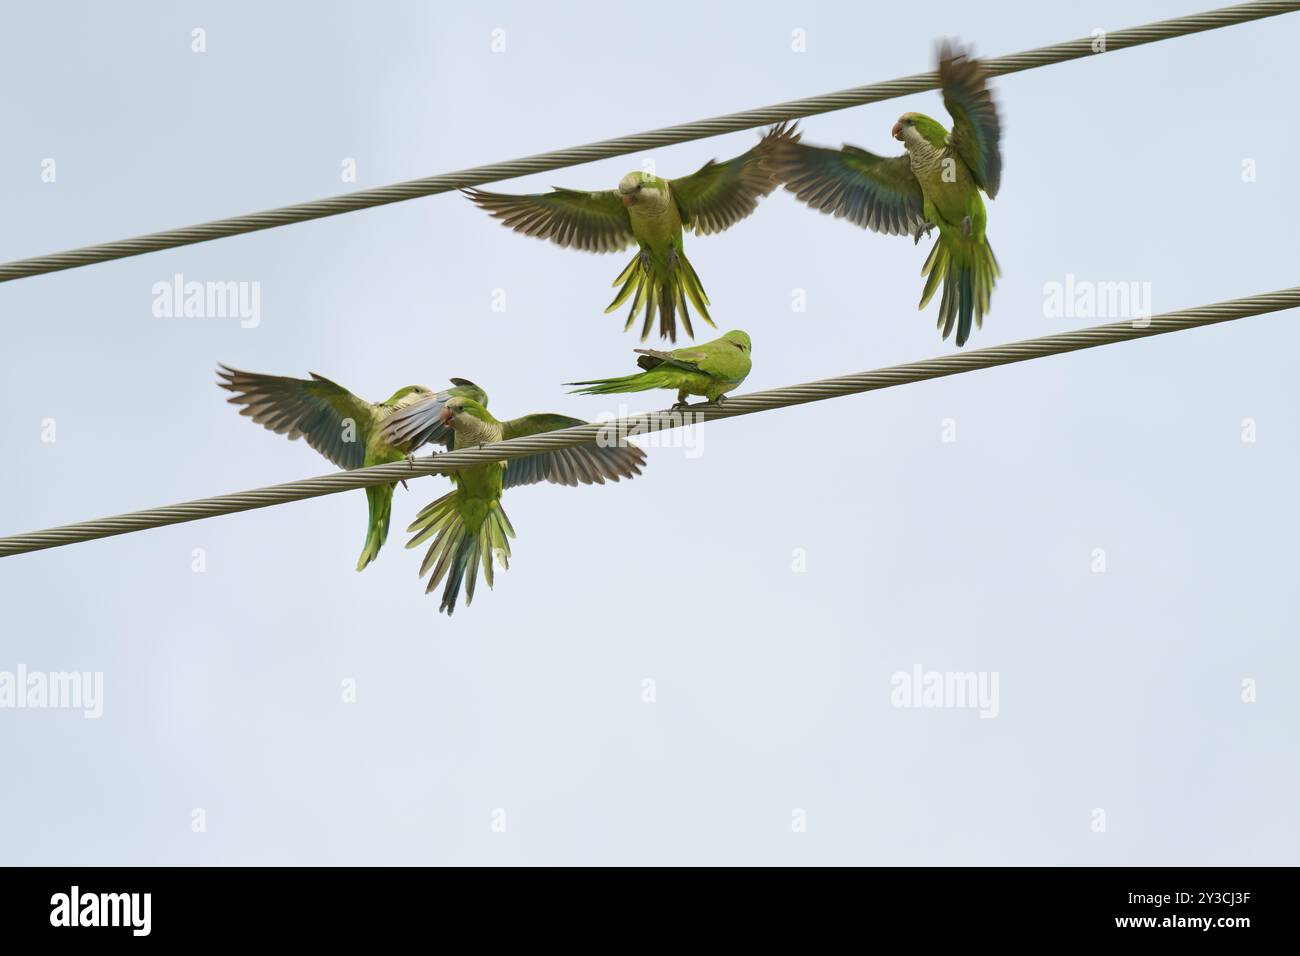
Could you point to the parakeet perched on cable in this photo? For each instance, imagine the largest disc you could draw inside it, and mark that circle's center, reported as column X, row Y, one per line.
column 652, row 213
column 342, row 427
column 710, row 370
column 468, row 525
column 937, row 182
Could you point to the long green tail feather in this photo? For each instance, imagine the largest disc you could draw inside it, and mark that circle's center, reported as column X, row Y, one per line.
column 640, row 382
column 458, row 550
column 968, row 270
column 661, row 286
column 380, row 499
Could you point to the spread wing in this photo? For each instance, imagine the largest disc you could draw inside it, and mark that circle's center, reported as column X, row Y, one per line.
column 584, row 465
column 876, row 192
column 594, row 222
column 334, row 421
column 976, row 132
column 421, row 423
column 719, row 195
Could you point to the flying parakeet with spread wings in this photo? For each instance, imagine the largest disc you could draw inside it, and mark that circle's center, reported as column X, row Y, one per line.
column 468, row 525
column 937, row 182
column 650, row 212
column 710, row 370
column 342, row 427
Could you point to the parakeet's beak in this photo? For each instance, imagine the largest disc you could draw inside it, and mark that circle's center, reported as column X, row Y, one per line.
column 445, row 417
column 628, row 198
column 897, row 131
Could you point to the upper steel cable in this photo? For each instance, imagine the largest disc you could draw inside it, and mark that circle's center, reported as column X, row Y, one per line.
column 700, row 129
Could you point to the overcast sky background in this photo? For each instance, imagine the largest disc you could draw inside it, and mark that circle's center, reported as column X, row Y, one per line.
column 1118, row 691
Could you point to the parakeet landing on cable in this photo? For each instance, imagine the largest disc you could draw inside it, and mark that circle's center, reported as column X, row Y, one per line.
column 468, row 526
column 935, row 183
column 342, row 427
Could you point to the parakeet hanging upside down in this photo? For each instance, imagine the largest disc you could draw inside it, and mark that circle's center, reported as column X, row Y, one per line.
column 650, row 212
column 937, row 182
column 342, row 427
column 468, row 525
column 710, row 370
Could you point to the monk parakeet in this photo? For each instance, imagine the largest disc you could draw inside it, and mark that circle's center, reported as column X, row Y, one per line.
column 650, row 212
column 468, row 525
column 342, row 427
column 937, row 182
column 710, row 370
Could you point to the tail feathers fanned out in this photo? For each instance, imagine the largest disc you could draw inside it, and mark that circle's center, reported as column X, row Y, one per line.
column 380, row 499
column 463, row 539
column 663, row 286
column 969, row 271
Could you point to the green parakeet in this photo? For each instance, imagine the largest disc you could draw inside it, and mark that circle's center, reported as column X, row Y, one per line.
column 937, row 182
column 342, row 427
column 710, row 370
column 468, row 525
column 652, row 213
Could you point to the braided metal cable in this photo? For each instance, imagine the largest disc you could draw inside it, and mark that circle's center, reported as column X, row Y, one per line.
column 700, row 129
column 617, row 429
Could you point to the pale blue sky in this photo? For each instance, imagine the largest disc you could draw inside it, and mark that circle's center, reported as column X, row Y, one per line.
column 1119, row 691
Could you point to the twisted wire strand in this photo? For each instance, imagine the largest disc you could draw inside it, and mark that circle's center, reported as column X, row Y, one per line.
column 646, row 422
column 604, row 149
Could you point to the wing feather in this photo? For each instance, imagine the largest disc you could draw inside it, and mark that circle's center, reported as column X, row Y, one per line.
column 591, row 221
column 315, row 409
column 976, row 130
column 680, row 358
column 586, row 464
column 875, row 192
column 719, row 195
